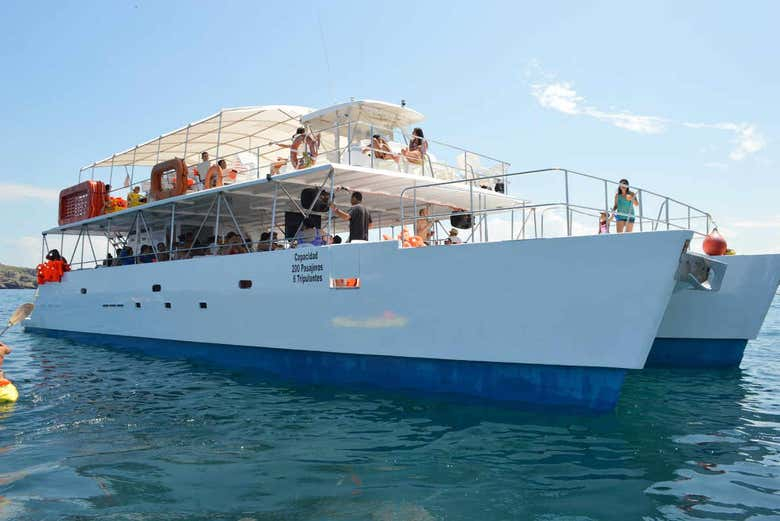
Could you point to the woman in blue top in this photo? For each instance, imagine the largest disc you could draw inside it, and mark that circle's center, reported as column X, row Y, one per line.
column 625, row 200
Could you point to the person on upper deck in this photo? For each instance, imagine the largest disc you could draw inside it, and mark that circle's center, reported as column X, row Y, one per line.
column 202, row 170
column 625, row 200
column 418, row 147
column 422, row 226
column 381, row 149
column 135, row 198
column 359, row 218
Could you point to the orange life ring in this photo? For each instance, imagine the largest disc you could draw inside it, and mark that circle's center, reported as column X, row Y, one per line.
column 214, row 170
column 176, row 165
column 308, row 156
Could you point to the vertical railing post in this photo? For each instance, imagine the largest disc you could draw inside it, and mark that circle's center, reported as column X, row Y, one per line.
column 689, row 217
column 186, row 143
column 371, row 133
column 606, row 197
column 641, row 212
column 349, row 143
column 707, row 231
column 667, row 213
column 257, row 162
column 568, row 214
column 331, row 232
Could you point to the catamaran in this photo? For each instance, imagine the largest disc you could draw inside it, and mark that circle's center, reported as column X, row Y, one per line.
column 251, row 273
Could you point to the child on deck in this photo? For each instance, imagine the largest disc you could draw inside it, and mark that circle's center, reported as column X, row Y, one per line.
column 604, row 221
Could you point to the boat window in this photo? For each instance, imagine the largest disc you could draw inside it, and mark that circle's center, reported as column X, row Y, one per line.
column 167, row 305
column 83, row 291
column 244, row 284
column 156, row 287
column 203, row 305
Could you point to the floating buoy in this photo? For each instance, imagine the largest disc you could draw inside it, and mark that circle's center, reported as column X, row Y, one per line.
column 8, row 392
column 714, row 244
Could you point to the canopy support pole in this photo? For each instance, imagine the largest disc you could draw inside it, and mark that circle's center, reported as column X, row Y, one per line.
column 132, row 168
column 273, row 217
column 186, row 142
column 219, row 212
column 149, row 233
column 111, row 171
column 219, row 136
column 235, row 223
column 173, row 231
column 202, row 223
column 159, row 142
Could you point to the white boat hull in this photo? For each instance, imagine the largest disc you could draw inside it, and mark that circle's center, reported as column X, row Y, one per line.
column 519, row 321
column 711, row 329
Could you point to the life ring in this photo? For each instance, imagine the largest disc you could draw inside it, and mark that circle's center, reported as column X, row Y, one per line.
column 215, row 170
column 308, row 156
column 175, row 166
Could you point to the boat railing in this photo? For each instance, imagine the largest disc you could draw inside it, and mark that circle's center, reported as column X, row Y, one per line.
column 572, row 207
column 443, row 161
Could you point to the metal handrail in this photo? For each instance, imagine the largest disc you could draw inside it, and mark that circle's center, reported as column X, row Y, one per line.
column 567, row 203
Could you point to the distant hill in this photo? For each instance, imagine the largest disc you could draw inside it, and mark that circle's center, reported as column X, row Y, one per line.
column 13, row 277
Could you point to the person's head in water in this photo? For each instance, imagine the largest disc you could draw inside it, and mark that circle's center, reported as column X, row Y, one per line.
column 356, row 198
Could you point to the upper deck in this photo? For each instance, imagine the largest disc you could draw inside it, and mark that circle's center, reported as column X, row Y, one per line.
column 449, row 182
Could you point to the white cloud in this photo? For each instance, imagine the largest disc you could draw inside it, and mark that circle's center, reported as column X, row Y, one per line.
column 771, row 222
column 10, row 191
column 562, row 97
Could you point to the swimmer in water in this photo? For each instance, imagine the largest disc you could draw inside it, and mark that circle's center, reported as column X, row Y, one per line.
column 4, row 350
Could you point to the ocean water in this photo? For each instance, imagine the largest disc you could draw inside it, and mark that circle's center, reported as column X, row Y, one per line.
column 106, row 434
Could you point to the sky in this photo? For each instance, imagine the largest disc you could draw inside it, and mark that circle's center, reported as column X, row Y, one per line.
column 678, row 97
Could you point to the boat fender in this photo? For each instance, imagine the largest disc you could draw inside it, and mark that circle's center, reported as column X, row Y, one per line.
column 8, row 392
column 714, row 244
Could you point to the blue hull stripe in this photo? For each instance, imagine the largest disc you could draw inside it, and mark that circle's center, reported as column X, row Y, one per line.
column 587, row 388
column 701, row 353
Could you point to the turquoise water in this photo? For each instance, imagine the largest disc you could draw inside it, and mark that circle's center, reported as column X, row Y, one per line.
column 103, row 434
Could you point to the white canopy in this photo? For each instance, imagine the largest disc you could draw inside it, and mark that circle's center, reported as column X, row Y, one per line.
column 227, row 132
column 369, row 112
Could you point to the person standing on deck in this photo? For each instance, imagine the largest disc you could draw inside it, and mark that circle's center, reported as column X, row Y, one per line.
column 203, row 168
column 625, row 200
column 359, row 218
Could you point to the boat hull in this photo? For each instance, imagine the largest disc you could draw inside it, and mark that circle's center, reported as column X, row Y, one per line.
column 516, row 321
column 587, row 388
column 711, row 329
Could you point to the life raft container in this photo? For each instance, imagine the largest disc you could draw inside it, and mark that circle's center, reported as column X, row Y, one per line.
column 174, row 166
column 81, row 201
column 306, row 157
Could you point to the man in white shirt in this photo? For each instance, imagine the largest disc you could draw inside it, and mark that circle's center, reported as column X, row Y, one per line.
column 203, row 168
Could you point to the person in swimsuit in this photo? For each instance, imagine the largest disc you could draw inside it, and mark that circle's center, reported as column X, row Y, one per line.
column 418, row 147
column 380, row 149
column 604, row 221
column 625, row 200
column 423, row 226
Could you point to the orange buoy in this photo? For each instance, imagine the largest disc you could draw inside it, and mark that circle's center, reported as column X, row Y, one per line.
column 714, row 244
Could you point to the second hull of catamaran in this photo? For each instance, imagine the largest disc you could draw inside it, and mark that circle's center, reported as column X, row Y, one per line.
column 710, row 329
column 549, row 321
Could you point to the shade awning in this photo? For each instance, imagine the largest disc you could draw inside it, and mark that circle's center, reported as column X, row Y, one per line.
column 227, row 132
column 367, row 112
